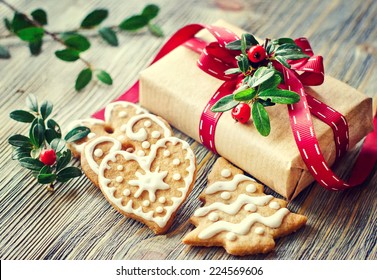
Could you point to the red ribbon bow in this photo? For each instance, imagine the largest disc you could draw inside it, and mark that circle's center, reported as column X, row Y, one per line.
column 215, row 59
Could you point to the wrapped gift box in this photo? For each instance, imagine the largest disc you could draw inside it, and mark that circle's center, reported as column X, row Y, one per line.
column 177, row 90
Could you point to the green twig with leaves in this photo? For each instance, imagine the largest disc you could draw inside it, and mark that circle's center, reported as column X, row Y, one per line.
column 44, row 151
column 258, row 80
column 32, row 30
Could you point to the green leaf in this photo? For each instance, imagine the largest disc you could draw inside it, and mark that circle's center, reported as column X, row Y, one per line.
column 282, row 61
column 243, row 63
column 243, row 44
column 53, row 131
column 32, row 102
column 22, row 116
column 155, row 30
column 35, row 47
column 31, row 163
column 134, row 23
column 270, row 48
column 31, row 34
column 83, row 79
column 19, row 140
column 45, row 170
column 234, row 45
column 224, row 104
column 68, row 173
column 63, row 160
column 261, row 119
column 4, row 53
column 245, row 95
column 46, row 178
column 8, row 25
column 250, row 40
column 266, row 103
column 231, row 71
column 109, row 36
column 295, row 56
column 94, row 18
column 20, row 152
column 35, row 152
column 58, row 145
column 37, row 135
column 68, row 55
column 287, row 49
column 281, row 41
column 77, row 133
column 20, row 22
column 76, row 42
column 272, row 82
column 40, row 16
column 46, row 109
column 150, row 11
column 279, row 96
column 104, row 77
column 260, row 76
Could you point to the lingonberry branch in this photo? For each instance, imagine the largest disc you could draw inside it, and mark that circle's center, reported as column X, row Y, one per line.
column 53, row 35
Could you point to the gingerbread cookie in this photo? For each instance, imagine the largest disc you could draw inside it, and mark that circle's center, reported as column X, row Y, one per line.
column 126, row 127
column 149, row 188
column 238, row 216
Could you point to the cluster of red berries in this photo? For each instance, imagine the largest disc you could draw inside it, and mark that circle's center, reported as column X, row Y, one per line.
column 48, row 157
column 242, row 111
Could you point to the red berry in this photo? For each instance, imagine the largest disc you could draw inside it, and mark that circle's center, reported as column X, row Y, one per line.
column 241, row 112
column 48, row 157
column 256, row 54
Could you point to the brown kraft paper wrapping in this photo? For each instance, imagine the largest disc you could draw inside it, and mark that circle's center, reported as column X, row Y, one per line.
column 177, row 90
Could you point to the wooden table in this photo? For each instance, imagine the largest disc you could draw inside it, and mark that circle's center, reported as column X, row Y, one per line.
column 76, row 222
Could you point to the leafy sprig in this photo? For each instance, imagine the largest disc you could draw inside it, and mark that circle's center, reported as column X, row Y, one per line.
column 32, row 30
column 259, row 82
column 44, row 133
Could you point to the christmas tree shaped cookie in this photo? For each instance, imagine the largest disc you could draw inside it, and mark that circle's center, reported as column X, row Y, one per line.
column 238, row 216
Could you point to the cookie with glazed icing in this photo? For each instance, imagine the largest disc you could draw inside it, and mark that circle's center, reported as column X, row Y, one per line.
column 238, row 216
column 126, row 127
column 149, row 188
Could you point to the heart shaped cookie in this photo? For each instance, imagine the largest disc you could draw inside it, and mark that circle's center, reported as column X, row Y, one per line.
column 149, row 188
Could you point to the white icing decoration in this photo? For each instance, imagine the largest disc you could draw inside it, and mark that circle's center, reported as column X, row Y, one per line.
column 120, row 167
column 227, row 185
column 177, row 177
column 159, row 209
column 166, row 153
column 109, row 108
column 162, row 199
column 121, row 137
column 123, row 127
column 91, row 135
column 225, row 195
column 140, row 153
column 213, row 217
column 176, row 161
column 250, row 207
column 98, row 152
column 147, row 123
column 259, row 230
column 242, row 228
column 226, row 173
column 145, row 144
column 274, row 205
column 235, row 206
column 142, row 134
column 146, row 203
column 88, row 150
column 79, row 147
column 119, row 179
column 251, row 188
column 126, row 192
column 231, row 236
column 122, row 114
column 156, row 134
column 145, row 164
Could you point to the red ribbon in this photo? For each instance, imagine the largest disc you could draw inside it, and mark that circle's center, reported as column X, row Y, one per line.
column 215, row 59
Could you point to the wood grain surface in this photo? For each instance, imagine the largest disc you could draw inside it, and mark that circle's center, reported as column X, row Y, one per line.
column 76, row 222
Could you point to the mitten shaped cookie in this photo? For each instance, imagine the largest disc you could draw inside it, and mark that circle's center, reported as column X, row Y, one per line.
column 149, row 188
column 238, row 216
